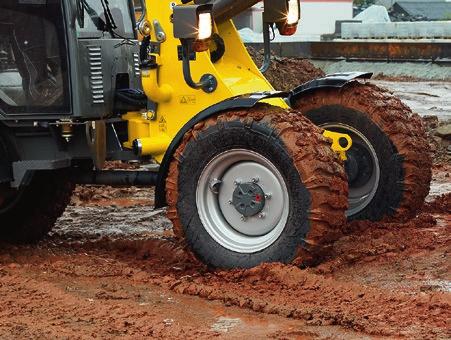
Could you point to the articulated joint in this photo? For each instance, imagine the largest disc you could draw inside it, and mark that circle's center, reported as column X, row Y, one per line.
column 153, row 91
column 341, row 142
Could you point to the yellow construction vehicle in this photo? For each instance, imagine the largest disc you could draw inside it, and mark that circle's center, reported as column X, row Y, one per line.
column 248, row 174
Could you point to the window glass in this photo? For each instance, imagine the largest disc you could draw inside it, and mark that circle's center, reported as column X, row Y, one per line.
column 33, row 59
column 96, row 16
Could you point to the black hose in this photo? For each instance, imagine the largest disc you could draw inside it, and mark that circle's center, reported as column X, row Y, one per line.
column 207, row 83
column 186, row 50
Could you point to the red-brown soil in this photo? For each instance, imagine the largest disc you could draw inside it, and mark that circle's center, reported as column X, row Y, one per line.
column 378, row 279
column 287, row 73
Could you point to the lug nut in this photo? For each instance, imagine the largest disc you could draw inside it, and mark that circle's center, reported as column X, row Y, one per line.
column 230, row 202
column 268, row 196
column 243, row 218
column 261, row 215
column 255, row 180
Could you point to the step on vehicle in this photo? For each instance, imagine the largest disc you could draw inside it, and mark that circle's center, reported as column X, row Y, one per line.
column 248, row 174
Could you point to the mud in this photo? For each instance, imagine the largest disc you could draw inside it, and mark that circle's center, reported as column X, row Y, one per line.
column 287, row 73
column 116, row 271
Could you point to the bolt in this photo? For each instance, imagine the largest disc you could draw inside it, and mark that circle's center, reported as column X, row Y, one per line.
column 243, row 218
column 261, row 215
column 214, row 185
column 236, row 182
column 230, row 202
column 268, row 196
column 255, row 180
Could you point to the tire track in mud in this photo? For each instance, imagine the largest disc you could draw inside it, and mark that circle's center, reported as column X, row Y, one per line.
column 315, row 295
column 322, row 299
column 381, row 279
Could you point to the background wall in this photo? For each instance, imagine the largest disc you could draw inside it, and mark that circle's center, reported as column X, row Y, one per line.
column 318, row 17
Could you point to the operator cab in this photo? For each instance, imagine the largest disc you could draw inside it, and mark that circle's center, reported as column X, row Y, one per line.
column 67, row 58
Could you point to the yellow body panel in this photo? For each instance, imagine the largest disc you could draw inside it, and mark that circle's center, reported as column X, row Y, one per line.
column 177, row 103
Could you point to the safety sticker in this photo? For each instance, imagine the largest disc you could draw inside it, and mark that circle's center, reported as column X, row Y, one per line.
column 188, row 100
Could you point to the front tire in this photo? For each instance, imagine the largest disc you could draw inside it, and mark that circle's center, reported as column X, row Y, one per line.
column 389, row 166
column 255, row 186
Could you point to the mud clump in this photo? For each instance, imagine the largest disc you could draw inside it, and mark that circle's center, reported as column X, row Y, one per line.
column 441, row 204
column 440, row 144
column 285, row 74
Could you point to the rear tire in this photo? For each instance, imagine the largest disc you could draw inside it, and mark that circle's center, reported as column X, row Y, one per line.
column 27, row 215
column 292, row 159
column 391, row 148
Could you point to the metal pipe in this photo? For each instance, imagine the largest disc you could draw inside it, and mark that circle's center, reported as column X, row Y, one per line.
column 115, row 177
column 224, row 10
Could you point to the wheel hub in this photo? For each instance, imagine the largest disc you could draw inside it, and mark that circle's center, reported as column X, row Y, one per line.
column 248, row 199
column 242, row 201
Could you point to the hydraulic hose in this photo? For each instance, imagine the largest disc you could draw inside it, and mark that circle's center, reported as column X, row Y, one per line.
column 207, row 83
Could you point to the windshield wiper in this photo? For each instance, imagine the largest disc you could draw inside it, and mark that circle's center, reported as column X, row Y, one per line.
column 109, row 25
column 96, row 19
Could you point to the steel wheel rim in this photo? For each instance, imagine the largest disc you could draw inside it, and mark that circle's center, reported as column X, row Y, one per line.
column 219, row 217
column 360, row 197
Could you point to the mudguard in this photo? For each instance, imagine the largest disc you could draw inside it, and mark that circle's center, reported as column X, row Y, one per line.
column 335, row 80
column 240, row 102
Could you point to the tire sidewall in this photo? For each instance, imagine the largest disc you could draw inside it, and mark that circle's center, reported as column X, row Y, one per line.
column 258, row 138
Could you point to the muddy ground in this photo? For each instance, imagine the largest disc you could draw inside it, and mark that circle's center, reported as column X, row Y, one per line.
column 111, row 268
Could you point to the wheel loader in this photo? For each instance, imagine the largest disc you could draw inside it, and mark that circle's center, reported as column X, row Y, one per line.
column 248, row 174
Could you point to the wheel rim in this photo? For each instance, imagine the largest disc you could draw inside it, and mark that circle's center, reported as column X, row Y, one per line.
column 242, row 200
column 362, row 168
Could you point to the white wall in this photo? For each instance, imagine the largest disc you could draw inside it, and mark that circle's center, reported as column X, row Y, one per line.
column 319, row 16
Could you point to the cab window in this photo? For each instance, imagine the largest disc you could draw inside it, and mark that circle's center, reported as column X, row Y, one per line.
column 99, row 17
column 33, row 59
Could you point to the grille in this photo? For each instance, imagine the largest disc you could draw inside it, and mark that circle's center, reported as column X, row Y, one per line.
column 96, row 74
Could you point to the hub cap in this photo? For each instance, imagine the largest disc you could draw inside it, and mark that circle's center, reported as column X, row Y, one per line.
column 248, row 199
column 362, row 168
column 242, row 201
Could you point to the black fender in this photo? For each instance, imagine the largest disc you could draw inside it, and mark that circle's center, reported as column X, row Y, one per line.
column 335, row 80
column 239, row 102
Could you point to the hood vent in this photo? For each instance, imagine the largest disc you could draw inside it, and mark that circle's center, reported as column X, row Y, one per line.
column 96, row 74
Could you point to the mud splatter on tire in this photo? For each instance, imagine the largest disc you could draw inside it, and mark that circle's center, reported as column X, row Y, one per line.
column 318, row 167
